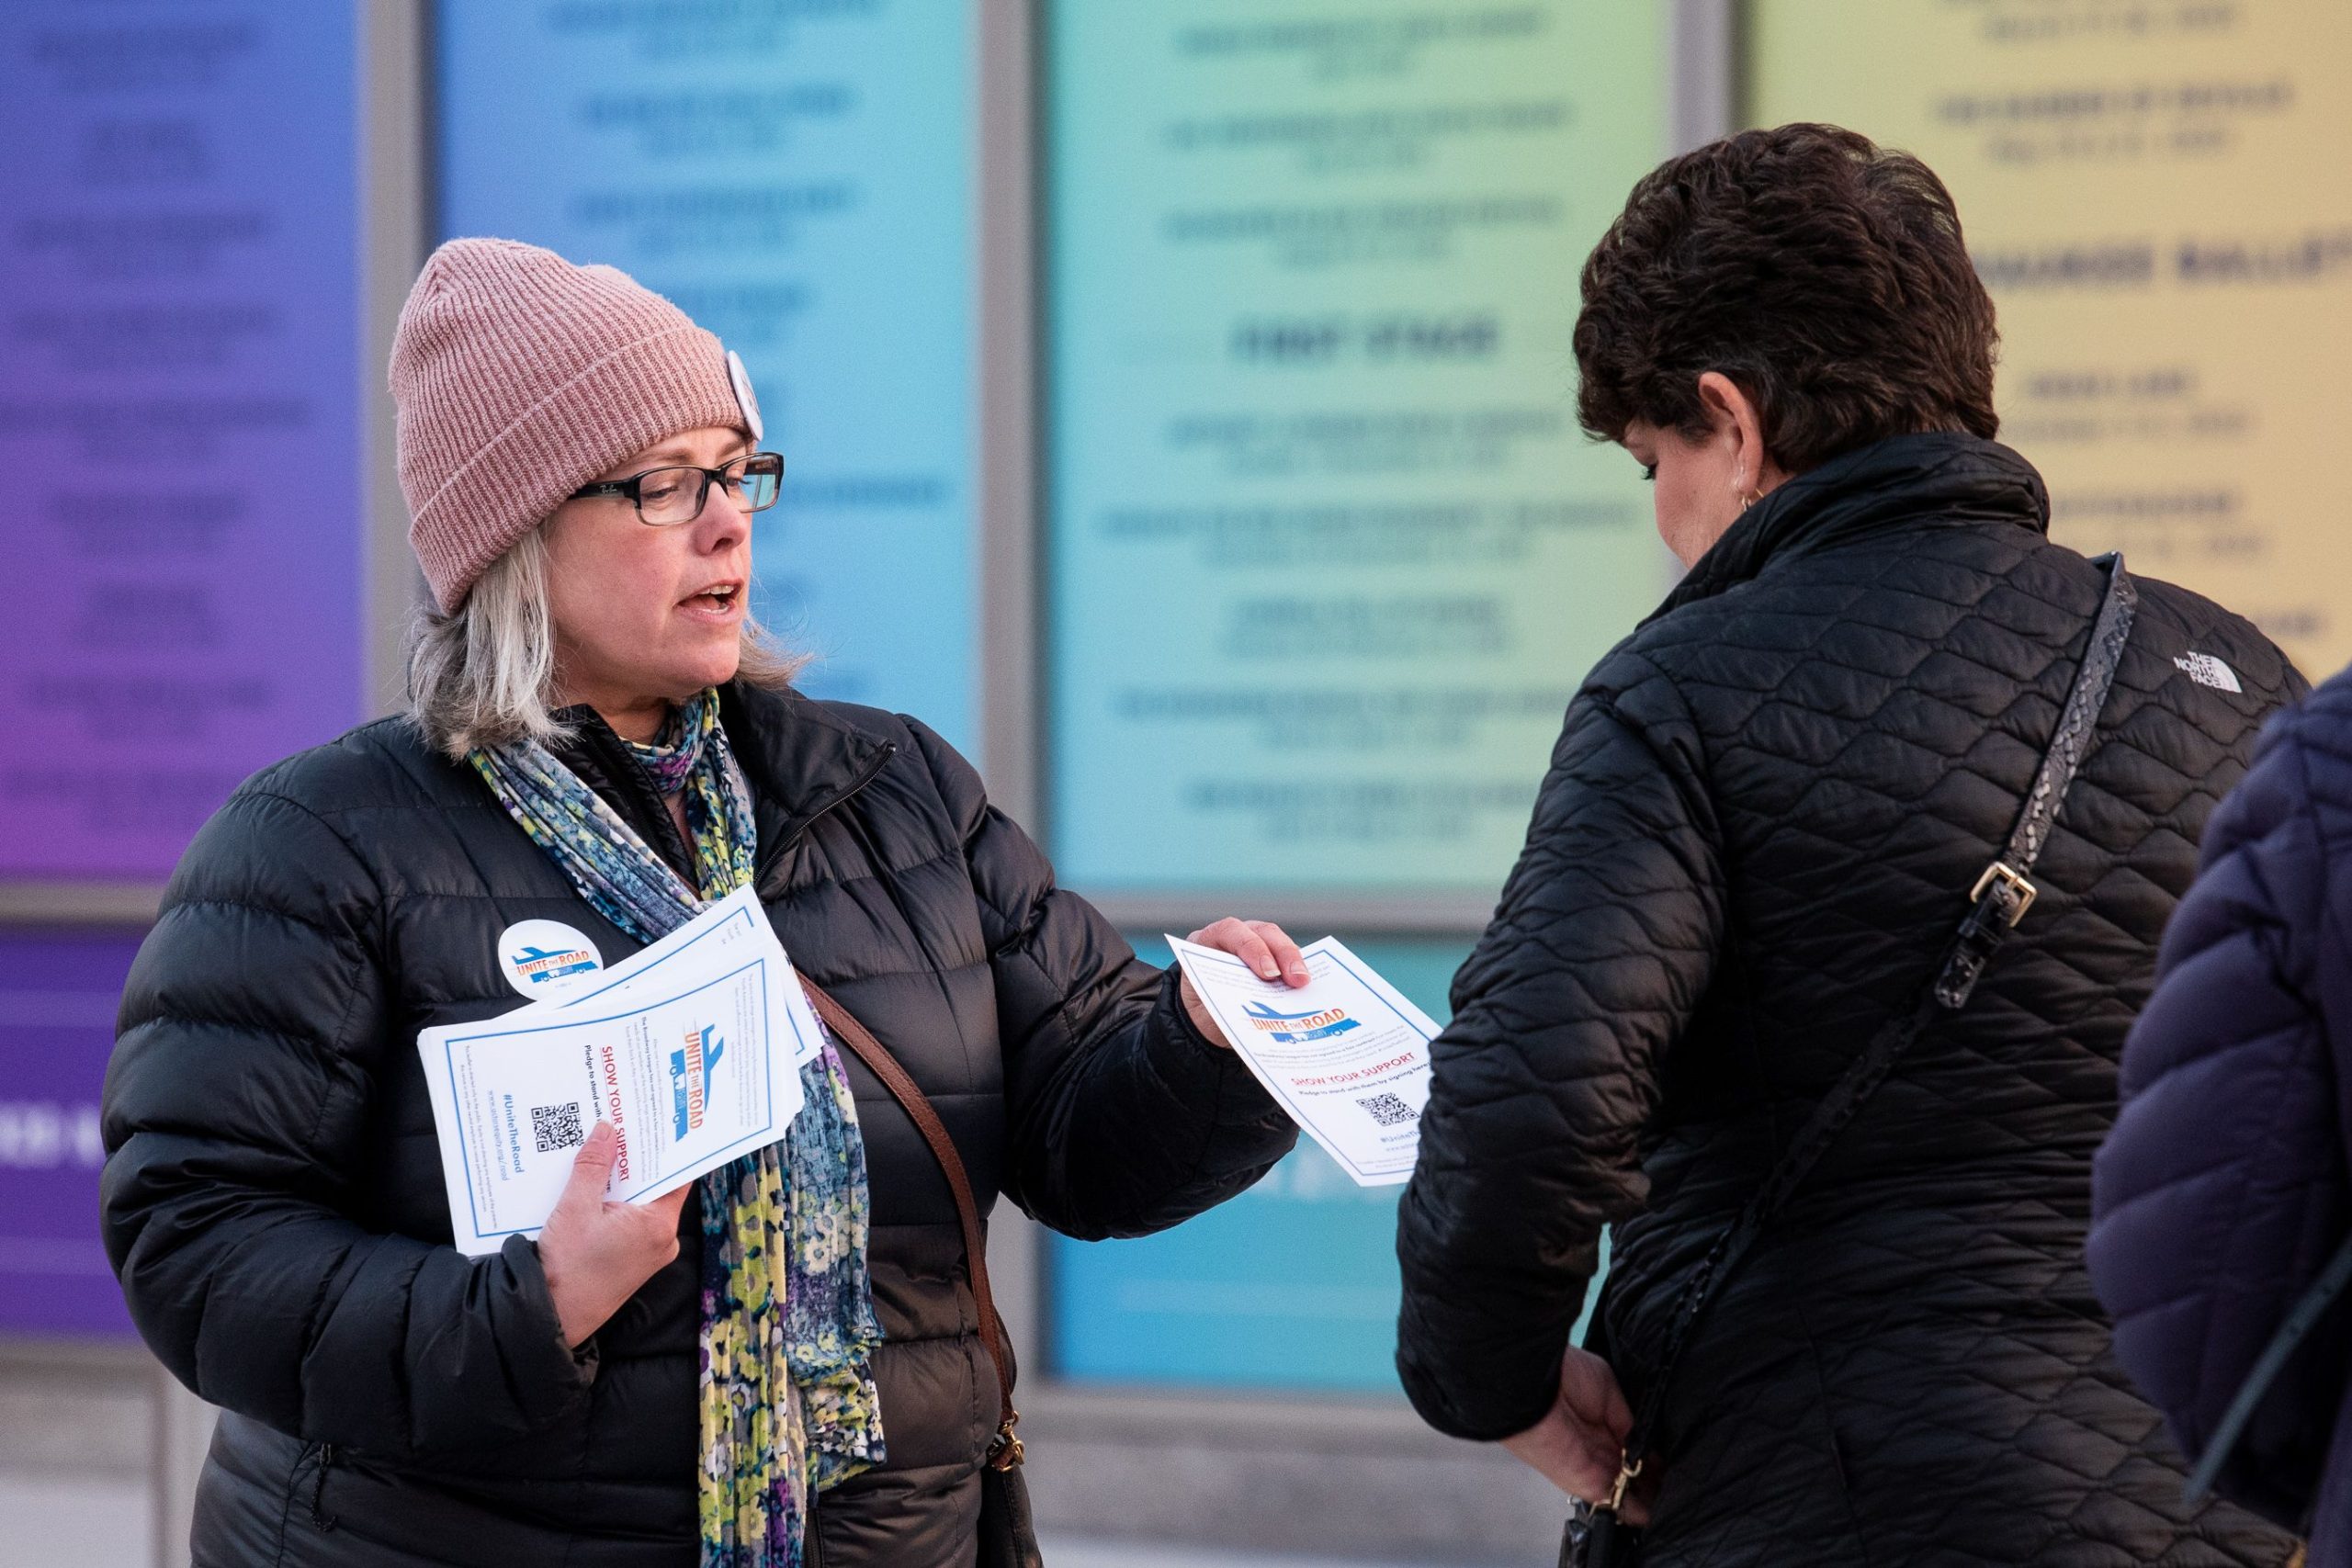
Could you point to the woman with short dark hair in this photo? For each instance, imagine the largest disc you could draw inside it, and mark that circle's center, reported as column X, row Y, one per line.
column 1741, row 1003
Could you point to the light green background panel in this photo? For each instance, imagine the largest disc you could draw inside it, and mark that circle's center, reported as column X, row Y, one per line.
column 1293, row 1284
column 1328, row 552
column 1828, row 59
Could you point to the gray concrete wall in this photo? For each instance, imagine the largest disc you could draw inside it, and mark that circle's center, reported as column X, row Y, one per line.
column 98, row 1454
column 1362, row 1481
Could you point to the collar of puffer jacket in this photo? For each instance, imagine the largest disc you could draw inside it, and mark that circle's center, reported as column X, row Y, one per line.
column 1945, row 479
column 801, row 758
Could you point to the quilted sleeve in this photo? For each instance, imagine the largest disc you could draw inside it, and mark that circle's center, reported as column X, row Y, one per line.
column 2220, row 1191
column 1121, row 1119
column 247, row 1048
column 1603, row 942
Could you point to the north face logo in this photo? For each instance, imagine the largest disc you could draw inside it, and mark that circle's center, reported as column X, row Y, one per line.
column 2207, row 671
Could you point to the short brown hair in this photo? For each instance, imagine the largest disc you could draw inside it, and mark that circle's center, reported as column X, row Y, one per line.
column 1822, row 272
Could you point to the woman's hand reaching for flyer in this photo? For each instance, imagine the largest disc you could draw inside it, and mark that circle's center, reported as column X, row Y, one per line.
column 1262, row 945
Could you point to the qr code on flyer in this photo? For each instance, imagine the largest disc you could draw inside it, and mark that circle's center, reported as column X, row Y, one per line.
column 556, row 1127
column 1388, row 1110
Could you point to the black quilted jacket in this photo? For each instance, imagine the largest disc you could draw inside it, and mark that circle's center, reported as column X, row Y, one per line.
column 274, row 1198
column 1761, row 826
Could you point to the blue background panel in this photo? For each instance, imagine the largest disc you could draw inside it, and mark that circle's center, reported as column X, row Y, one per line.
column 1292, row 1285
column 801, row 181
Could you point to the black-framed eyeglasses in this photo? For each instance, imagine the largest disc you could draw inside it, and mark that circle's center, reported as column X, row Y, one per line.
column 672, row 495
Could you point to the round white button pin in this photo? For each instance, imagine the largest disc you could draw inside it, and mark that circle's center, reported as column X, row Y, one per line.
column 745, row 399
column 540, row 958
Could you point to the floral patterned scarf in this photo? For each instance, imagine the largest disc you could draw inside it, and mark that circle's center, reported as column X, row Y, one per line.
column 788, row 1330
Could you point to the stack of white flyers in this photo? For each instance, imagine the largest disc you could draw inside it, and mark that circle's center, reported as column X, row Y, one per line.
column 1346, row 1055
column 690, row 1048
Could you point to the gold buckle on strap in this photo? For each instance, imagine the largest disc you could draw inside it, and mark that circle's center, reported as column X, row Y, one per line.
column 2015, row 880
column 1626, row 1471
column 1006, row 1453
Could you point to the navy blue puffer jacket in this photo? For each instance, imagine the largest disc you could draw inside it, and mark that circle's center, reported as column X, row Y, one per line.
column 2223, row 1189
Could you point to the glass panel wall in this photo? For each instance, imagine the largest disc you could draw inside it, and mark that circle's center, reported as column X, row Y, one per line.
column 179, row 419
column 800, row 180
column 2158, row 200
column 1327, row 552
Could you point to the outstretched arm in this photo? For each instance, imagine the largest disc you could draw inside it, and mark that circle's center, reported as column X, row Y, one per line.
column 1125, row 1117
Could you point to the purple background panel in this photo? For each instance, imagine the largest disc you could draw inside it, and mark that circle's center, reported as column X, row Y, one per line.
column 179, row 387
column 57, row 996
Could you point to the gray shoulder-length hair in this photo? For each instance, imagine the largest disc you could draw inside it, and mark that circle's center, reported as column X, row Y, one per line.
column 485, row 676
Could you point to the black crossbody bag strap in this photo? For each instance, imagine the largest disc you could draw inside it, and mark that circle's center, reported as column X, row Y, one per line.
column 2292, row 1330
column 1998, row 901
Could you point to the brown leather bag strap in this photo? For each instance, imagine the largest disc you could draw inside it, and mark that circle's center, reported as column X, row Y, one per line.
column 1005, row 1452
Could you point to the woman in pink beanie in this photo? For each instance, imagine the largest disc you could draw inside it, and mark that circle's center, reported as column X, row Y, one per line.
column 790, row 1361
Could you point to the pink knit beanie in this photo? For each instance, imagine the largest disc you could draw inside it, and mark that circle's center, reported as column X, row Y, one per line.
column 519, row 377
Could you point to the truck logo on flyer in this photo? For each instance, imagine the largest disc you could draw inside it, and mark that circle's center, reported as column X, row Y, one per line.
column 1296, row 1028
column 541, row 957
column 690, row 1076
column 537, row 965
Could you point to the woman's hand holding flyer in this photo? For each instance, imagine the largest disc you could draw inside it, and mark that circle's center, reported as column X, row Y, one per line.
column 1346, row 1055
column 690, row 1050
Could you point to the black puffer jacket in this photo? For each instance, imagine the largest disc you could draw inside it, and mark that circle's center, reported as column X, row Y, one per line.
column 274, row 1200
column 1760, row 827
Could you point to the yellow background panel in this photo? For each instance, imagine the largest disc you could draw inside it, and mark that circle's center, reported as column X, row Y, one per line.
column 2159, row 193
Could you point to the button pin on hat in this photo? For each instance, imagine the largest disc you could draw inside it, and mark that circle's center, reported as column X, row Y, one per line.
column 745, row 397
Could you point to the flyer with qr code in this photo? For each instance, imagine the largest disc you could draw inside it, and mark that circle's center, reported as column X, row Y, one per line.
column 690, row 1048
column 1346, row 1055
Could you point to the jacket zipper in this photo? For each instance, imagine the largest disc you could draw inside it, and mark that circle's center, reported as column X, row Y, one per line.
column 770, row 857
column 319, row 1515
